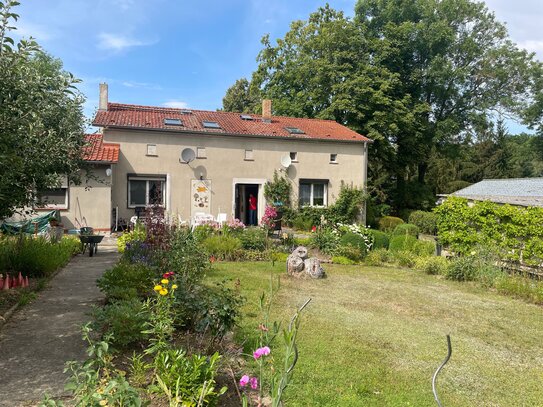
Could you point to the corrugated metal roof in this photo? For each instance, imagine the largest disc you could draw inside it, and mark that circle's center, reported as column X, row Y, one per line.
column 514, row 191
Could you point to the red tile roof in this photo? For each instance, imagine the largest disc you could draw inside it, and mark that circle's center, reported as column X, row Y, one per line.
column 148, row 117
column 96, row 150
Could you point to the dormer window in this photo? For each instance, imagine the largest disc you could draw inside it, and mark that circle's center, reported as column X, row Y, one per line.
column 246, row 117
column 173, row 122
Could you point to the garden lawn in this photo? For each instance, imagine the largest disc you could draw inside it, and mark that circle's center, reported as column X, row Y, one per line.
column 373, row 336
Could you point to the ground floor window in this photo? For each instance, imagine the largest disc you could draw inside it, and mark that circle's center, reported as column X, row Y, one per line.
column 313, row 192
column 53, row 198
column 143, row 191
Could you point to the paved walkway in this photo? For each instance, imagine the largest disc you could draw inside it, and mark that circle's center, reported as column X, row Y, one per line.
column 37, row 341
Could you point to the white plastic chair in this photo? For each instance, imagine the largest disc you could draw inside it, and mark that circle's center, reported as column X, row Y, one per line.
column 221, row 218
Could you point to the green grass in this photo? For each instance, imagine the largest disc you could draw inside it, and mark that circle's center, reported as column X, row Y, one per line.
column 374, row 336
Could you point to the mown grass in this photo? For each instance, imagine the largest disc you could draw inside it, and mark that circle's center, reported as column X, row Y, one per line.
column 374, row 336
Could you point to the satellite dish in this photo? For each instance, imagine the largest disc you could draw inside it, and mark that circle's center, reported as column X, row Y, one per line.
column 188, row 155
column 286, row 161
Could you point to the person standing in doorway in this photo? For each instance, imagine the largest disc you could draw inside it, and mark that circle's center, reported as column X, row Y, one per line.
column 252, row 210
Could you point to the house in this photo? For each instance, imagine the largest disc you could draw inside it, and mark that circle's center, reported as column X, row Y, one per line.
column 90, row 202
column 513, row 191
column 195, row 161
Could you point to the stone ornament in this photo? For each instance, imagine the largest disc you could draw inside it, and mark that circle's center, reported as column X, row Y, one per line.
column 299, row 265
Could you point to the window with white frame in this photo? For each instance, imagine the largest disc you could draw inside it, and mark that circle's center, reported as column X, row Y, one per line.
column 313, row 192
column 201, row 152
column 294, row 156
column 146, row 190
column 333, row 158
column 249, row 155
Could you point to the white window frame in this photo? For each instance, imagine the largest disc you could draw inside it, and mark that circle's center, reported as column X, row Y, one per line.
column 249, row 155
column 311, row 196
column 334, row 161
column 163, row 179
column 201, row 152
column 151, row 150
column 295, row 159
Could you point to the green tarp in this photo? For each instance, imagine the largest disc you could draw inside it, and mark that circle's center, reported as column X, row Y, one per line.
column 28, row 225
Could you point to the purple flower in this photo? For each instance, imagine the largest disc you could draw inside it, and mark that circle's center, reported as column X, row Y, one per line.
column 244, row 380
column 254, row 383
column 261, row 352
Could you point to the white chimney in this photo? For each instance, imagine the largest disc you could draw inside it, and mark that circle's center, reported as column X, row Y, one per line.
column 102, row 104
column 266, row 110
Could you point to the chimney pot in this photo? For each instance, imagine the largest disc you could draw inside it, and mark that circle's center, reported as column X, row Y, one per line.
column 102, row 104
column 266, row 110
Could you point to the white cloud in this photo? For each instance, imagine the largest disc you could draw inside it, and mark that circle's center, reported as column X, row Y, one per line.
column 40, row 32
column 117, row 42
column 124, row 4
column 177, row 104
column 532, row 45
column 141, row 85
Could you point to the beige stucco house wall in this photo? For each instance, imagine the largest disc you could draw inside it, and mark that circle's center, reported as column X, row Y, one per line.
column 225, row 163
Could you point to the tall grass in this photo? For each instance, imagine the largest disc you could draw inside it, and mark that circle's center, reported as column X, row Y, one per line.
column 35, row 256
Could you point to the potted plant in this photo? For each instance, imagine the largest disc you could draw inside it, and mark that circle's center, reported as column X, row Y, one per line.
column 53, row 221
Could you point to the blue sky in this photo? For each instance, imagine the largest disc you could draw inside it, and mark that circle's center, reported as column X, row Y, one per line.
column 187, row 53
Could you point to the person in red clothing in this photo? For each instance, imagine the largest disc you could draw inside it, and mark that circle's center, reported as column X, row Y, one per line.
column 252, row 209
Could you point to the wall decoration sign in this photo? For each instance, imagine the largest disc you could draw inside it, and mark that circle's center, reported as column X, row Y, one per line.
column 200, row 196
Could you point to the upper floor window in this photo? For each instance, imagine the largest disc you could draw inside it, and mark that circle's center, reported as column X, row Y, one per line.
column 294, row 156
column 333, row 158
column 201, row 152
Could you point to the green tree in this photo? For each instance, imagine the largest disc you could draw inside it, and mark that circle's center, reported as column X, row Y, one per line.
column 242, row 97
column 41, row 119
column 414, row 75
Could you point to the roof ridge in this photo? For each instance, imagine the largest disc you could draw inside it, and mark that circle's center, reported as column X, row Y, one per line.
column 130, row 106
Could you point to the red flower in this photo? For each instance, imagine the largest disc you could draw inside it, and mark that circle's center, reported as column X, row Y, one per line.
column 212, row 259
column 168, row 274
column 314, row 229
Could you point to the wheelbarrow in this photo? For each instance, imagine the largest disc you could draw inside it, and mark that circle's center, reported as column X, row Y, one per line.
column 89, row 241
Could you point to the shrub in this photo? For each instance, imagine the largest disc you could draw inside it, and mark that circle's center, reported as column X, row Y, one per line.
column 298, row 222
column 254, row 239
column 202, row 232
column 425, row 221
column 187, row 380
column 380, row 239
column 520, row 287
column 127, row 237
column 222, row 247
column 126, row 281
column 406, row 229
column 326, row 240
column 303, row 241
column 124, row 320
column 432, row 265
column 402, row 243
column 388, row 223
column 342, row 260
column 36, row 257
column 424, row 248
column 355, row 241
column 378, row 257
column 278, row 190
column 404, row 258
column 462, row 269
column 187, row 258
column 350, row 252
column 347, row 206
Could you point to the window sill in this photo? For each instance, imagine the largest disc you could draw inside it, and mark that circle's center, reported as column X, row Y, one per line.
column 248, row 159
column 201, row 158
column 334, row 162
column 151, row 155
column 52, row 208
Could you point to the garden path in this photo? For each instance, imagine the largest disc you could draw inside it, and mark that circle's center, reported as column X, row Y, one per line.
column 37, row 341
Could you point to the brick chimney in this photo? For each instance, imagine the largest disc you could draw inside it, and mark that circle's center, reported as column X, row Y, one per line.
column 102, row 104
column 266, row 110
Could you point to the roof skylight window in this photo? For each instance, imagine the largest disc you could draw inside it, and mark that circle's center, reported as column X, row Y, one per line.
column 294, row 130
column 186, row 111
column 173, row 122
column 211, row 125
column 246, row 117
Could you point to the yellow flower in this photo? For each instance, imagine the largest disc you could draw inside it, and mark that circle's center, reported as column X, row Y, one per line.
column 164, row 281
column 163, row 291
column 158, row 288
column 174, row 286
column 103, row 402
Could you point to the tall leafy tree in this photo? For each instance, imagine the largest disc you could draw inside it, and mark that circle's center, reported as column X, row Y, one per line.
column 414, row 75
column 41, row 119
column 242, row 97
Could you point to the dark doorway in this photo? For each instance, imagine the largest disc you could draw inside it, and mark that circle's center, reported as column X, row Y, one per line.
column 243, row 192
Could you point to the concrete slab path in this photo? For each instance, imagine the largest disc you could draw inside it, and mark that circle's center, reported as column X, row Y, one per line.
column 39, row 338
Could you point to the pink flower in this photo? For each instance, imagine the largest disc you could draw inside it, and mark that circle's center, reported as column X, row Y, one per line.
column 261, row 352
column 244, row 380
column 254, row 383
